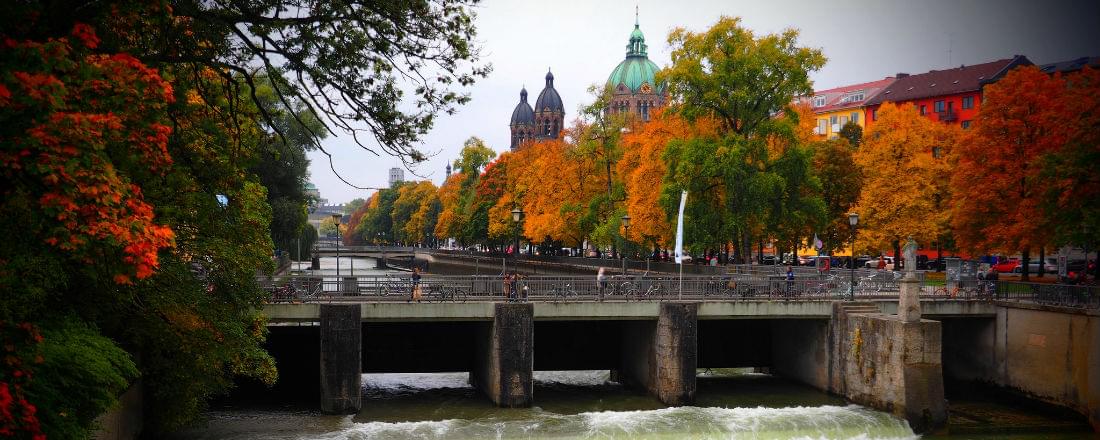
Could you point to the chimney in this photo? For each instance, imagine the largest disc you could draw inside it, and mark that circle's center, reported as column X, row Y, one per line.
column 901, row 75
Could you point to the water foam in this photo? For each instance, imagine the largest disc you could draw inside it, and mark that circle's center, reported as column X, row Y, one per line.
column 415, row 381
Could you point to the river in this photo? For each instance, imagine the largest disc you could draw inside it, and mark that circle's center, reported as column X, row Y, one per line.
column 730, row 404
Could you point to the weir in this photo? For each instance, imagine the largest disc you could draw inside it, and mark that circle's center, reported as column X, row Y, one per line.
column 859, row 350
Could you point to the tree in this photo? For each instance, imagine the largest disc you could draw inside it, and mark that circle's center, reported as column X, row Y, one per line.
column 598, row 136
column 354, row 205
column 901, row 175
column 841, row 183
column 450, row 220
column 998, row 181
column 853, row 133
column 743, row 81
column 557, row 207
column 409, row 215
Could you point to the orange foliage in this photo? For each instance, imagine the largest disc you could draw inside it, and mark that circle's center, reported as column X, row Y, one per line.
column 450, row 219
column 997, row 182
column 643, row 170
column 93, row 127
column 554, row 185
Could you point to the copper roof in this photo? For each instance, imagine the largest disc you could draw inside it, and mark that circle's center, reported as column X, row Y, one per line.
column 947, row 82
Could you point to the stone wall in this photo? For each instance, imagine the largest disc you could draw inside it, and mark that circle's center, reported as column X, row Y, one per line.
column 341, row 358
column 800, row 350
column 123, row 422
column 661, row 357
column 504, row 360
column 1050, row 354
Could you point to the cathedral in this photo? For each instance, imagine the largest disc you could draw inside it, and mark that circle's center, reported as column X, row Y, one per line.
column 542, row 122
column 634, row 91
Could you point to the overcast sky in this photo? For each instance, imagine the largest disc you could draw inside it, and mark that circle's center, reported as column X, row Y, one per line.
column 582, row 41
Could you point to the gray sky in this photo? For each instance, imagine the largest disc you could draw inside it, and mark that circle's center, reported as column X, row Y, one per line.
column 582, row 41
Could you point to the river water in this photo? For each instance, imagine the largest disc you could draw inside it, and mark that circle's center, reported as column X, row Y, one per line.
column 730, row 404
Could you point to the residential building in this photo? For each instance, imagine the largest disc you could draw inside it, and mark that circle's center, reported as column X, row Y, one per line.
column 837, row 106
column 397, row 175
column 1070, row 66
column 951, row 96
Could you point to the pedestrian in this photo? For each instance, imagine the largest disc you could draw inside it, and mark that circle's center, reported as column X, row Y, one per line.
column 881, row 263
column 415, row 294
column 601, row 280
column 509, row 282
column 790, row 280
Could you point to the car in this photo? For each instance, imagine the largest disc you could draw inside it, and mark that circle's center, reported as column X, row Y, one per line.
column 873, row 263
column 769, row 260
column 1051, row 266
column 1006, row 266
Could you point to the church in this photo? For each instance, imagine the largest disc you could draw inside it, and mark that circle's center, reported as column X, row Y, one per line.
column 634, row 91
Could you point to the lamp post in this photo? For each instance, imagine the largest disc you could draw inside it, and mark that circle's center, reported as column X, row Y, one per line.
column 336, row 221
column 517, row 216
column 853, row 220
column 626, row 231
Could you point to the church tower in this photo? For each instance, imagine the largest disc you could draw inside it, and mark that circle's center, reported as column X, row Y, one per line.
column 523, row 121
column 633, row 82
column 549, row 111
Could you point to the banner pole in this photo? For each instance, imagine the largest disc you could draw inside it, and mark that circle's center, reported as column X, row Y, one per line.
column 681, row 296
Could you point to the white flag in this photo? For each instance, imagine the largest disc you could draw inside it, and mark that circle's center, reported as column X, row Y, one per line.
column 817, row 243
column 680, row 229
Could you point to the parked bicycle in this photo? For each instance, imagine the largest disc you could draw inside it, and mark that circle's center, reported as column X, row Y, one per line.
column 442, row 293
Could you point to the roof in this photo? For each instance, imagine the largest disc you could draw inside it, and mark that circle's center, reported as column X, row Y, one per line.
column 523, row 113
column 839, row 98
column 1071, row 65
column 549, row 98
column 947, row 82
column 636, row 69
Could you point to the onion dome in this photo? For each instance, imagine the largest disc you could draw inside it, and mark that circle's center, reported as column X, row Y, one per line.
column 549, row 100
column 637, row 73
column 523, row 113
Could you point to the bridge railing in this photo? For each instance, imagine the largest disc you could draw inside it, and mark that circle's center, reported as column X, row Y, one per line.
column 399, row 287
column 1050, row 294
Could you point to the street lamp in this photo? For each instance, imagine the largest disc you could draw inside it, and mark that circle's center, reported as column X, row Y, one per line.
column 853, row 220
column 626, row 231
column 336, row 221
column 517, row 216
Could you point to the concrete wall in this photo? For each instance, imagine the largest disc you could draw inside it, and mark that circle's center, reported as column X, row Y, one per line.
column 662, row 357
column 341, row 359
column 800, row 350
column 123, row 422
column 1051, row 354
column 504, row 360
column 968, row 349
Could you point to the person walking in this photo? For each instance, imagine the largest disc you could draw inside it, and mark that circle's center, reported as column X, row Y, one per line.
column 415, row 294
column 601, row 281
column 881, row 263
column 790, row 281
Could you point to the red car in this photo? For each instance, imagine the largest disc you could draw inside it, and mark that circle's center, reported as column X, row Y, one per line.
column 1006, row 266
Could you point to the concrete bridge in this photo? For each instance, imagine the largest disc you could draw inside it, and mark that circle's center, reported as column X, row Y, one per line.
column 855, row 349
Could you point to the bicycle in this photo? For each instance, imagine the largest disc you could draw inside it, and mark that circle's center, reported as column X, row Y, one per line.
column 441, row 293
column 563, row 291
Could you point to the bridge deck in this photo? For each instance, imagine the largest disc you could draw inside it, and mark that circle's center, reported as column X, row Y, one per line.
column 610, row 310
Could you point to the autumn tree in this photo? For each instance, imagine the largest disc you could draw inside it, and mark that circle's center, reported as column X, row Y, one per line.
column 902, row 164
column 409, row 214
column 998, row 182
column 449, row 224
column 743, row 81
column 853, row 133
column 597, row 136
column 841, row 182
column 558, row 207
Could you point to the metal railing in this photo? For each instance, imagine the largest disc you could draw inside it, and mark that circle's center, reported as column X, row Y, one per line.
column 1066, row 295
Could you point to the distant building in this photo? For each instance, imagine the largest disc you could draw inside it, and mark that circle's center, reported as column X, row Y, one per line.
column 951, row 96
column 835, row 107
column 1069, row 66
column 634, row 85
column 397, row 175
column 544, row 121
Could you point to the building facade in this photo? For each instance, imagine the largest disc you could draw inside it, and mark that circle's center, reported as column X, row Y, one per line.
column 835, row 107
column 397, row 175
column 951, row 96
column 544, row 121
column 633, row 83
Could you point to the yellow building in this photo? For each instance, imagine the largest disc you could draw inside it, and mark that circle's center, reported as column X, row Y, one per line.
column 835, row 107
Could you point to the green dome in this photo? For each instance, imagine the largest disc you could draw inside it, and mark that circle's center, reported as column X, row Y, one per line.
column 633, row 72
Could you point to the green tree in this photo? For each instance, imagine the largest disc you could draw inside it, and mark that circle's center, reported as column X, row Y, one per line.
column 599, row 136
column 841, row 182
column 853, row 133
column 743, row 81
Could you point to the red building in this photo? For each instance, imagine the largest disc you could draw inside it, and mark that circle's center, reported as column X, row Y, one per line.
column 952, row 96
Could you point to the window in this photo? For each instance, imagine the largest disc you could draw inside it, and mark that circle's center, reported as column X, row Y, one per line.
column 819, row 101
column 937, row 152
column 821, row 123
column 949, row 105
column 855, row 117
column 938, row 105
column 874, row 114
column 968, row 102
column 965, row 124
column 843, row 120
column 923, row 110
column 832, row 119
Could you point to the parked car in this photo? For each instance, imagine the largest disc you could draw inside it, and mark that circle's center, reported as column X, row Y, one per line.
column 769, row 259
column 1051, row 266
column 1006, row 266
column 873, row 263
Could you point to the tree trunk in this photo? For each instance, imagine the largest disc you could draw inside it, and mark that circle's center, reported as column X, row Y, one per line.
column 1042, row 261
column 897, row 254
column 1025, row 260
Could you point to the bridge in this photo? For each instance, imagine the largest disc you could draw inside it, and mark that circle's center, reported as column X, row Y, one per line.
column 1040, row 341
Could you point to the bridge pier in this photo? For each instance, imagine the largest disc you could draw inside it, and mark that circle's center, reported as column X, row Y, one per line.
column 889, row 363
column 504, row 358
column 341, row 358
column 661, row 356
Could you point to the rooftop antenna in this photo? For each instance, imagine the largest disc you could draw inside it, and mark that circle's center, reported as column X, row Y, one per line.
column 950, row 40
column 635, row 15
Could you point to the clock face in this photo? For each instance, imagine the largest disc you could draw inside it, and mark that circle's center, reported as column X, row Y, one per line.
column 646, row 88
